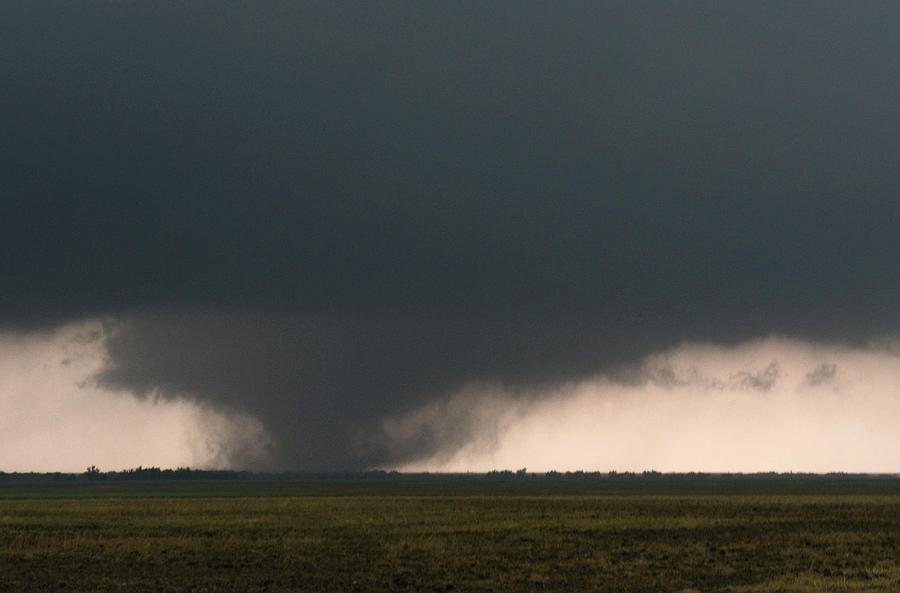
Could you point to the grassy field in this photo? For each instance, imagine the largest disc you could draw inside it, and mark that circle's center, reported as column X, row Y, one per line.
column 410, row 537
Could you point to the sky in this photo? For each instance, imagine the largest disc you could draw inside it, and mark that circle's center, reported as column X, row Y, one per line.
column 325, row 235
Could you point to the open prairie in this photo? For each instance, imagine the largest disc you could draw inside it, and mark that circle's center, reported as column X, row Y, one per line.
column 532, row 536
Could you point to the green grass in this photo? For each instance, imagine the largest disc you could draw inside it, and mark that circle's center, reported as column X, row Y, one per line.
column 397, row 542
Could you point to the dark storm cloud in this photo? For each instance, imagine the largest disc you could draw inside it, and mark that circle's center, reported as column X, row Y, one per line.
column 345, row 208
